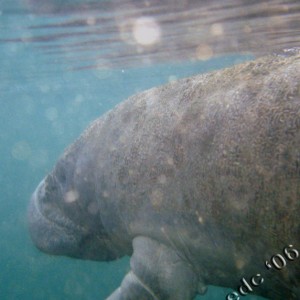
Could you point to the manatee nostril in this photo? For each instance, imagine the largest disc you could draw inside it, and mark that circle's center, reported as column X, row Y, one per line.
column 60, row 171
column 61, row 175
column 62, row 178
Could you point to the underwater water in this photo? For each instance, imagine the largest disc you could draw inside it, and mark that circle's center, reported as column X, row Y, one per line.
column 47, row 99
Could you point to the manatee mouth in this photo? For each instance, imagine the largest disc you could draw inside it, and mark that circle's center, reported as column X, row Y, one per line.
column 54, row 233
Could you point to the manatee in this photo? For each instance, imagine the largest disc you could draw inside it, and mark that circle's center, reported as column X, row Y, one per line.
column 198, row 181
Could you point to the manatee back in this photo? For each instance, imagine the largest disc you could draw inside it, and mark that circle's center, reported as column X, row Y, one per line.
column 214, row 145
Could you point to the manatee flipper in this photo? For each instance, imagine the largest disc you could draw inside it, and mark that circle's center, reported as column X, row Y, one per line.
column 157, row 273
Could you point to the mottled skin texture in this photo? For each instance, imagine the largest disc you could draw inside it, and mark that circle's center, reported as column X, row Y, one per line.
column 198, row 180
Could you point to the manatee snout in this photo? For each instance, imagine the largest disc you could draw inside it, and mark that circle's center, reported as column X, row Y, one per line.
column 53, row 232
column 50, row 232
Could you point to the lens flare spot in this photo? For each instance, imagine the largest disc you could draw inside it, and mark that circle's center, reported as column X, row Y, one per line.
column 240, row 263
column 71, row 196
column 204, row 52
column 217, row 29
column 156, row 198
column 146, row 31
column 51, row 113
column 93, row 208
column 172, row 78
column 21, row 150
column 102, row 69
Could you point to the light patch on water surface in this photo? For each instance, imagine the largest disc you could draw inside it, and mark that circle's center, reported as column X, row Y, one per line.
column 91, row 21
column 204, row 52
column 217, row 29
column 146, row 31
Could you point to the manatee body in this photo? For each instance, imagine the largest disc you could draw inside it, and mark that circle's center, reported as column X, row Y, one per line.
column 197, row 180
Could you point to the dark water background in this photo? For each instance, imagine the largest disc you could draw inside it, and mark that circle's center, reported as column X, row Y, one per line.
column 63, row 64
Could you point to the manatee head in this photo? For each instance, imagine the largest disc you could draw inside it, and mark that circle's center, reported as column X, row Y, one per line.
column 64, row 217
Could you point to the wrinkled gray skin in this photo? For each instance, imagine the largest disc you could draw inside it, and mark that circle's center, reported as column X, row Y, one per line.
column 197, row 180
